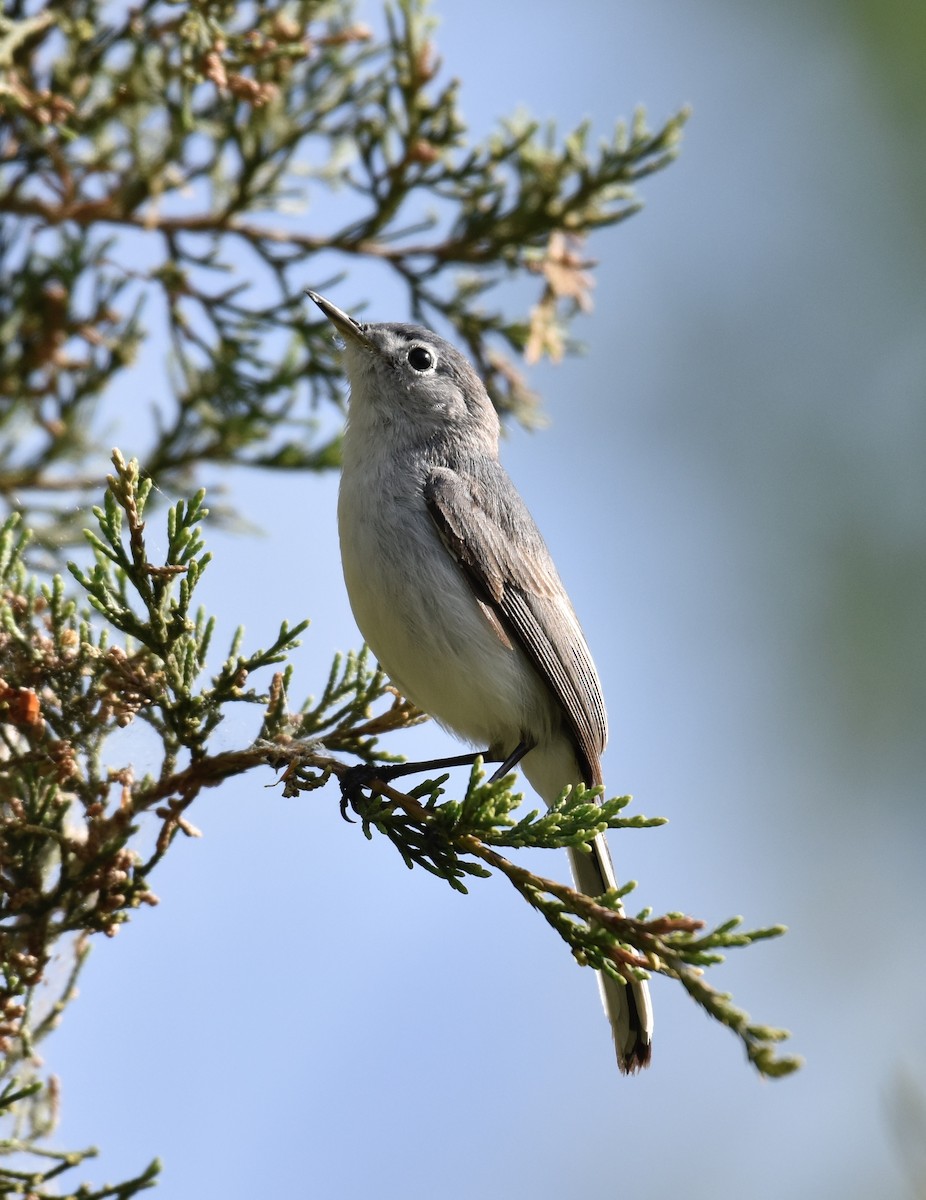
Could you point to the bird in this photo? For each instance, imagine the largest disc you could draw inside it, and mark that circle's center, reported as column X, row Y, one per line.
column 455, row 592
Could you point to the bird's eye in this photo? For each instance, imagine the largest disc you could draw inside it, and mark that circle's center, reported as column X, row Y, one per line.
column 420, row 359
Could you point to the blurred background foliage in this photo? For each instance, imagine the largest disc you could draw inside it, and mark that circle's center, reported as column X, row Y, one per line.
column 876, row 565
column 848, row 416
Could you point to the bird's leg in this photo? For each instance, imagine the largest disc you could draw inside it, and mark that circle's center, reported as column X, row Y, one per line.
column 362, row 776
column 511, row 761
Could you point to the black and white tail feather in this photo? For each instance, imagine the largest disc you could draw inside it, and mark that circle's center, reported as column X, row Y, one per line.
column 626, row 1005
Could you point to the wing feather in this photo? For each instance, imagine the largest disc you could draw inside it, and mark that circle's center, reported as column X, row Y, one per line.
column 489, row 531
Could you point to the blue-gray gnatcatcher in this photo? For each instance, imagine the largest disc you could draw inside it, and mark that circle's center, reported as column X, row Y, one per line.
column 456, row 594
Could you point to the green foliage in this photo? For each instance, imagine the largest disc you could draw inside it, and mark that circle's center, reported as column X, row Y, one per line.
column 354, row 685
column 73, row 824
column 428, row 836
column 47, row 1165
column 150, row 604
column 195, row 135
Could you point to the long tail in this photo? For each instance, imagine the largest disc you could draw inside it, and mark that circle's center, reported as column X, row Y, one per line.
column 626, row 1005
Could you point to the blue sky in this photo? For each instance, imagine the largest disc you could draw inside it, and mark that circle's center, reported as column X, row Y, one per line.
column 739, row 453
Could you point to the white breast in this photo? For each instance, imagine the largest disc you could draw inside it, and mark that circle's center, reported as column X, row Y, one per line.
column 420, row 618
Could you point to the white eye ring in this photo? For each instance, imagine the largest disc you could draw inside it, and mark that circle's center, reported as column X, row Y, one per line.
column 420, row 359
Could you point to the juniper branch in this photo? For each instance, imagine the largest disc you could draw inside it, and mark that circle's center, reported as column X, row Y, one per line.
column 445, row 838
column 266, row 93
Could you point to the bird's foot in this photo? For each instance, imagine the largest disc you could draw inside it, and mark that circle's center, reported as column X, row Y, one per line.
column 355, row 779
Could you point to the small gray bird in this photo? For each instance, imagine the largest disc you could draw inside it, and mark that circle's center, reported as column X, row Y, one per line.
column 456, row 594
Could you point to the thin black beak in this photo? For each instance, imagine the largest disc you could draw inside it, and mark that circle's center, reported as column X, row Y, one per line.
column 344, row 324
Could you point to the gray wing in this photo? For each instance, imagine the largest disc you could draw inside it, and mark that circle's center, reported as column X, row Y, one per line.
column 487, row 528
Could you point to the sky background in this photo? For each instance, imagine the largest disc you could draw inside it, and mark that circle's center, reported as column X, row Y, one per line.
column 741, row 452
